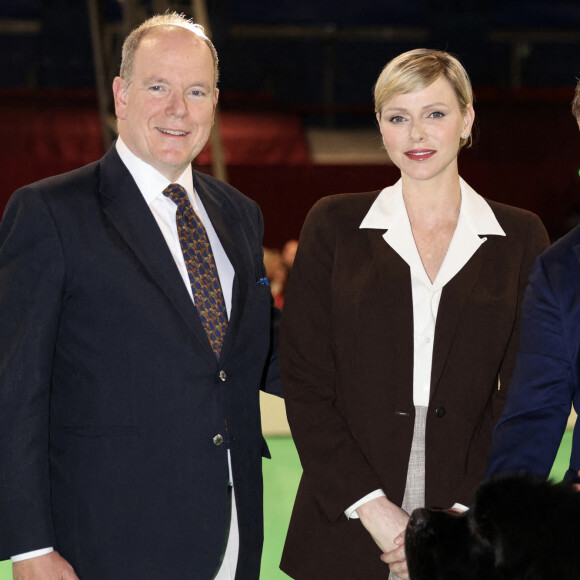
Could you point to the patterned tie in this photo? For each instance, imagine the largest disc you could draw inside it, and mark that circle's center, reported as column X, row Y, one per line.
column 200, row 264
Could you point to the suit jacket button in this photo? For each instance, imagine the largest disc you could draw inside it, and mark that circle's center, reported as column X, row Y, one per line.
column 223, row 376
column 440, row 412
column 218, row 440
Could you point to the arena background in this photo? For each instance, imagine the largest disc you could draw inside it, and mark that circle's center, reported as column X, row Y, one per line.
column 296, row 117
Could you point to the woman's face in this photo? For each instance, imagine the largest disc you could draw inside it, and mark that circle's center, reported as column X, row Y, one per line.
column 422, row 130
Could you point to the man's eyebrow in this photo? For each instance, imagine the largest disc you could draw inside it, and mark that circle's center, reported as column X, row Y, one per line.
column 201, row 84
column 154, row 80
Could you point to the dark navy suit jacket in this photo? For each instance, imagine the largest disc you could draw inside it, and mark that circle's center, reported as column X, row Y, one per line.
column 546, row 380
column 110, row 394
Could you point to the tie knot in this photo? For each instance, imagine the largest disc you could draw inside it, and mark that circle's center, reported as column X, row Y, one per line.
column 175, row 193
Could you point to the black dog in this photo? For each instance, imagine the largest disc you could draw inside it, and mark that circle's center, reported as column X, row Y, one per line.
column 517, row 528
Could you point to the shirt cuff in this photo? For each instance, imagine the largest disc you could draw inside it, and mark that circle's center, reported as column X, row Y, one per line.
column 459, row 506
column 350, row 513
column 33, row 554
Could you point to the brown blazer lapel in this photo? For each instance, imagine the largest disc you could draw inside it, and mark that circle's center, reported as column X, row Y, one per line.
column 397, row 315
column 453, row 300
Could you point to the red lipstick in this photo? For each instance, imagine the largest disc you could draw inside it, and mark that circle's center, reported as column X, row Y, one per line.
column 420, row 154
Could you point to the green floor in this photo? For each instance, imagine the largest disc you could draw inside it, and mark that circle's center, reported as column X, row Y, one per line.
column 281, row 476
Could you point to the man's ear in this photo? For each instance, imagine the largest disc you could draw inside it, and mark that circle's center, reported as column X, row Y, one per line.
column 120, row 90
column 216, row 95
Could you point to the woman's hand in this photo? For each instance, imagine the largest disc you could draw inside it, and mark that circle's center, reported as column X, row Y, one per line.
column 386, row 524
column 396, row 559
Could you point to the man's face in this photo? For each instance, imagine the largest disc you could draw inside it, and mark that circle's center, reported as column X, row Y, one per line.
column 166, row 112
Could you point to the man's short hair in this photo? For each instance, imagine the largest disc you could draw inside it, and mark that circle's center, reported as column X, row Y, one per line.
column 134, row 39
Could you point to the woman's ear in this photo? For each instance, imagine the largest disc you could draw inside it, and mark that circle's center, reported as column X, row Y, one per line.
column 468, row 119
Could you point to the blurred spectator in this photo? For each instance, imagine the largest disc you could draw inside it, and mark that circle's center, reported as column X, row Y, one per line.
column 288, row 253
column 277, row 274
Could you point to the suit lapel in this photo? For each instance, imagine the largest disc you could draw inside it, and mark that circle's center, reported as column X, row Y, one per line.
column 397, row 316
column 453, row 299
column 395, row 280
column 123, row 203
column 227, row 225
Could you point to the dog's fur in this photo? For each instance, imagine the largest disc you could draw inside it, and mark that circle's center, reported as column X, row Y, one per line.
column 518, row 528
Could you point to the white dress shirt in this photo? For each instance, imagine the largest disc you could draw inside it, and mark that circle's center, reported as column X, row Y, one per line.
column 476, row 220
column 151, row 184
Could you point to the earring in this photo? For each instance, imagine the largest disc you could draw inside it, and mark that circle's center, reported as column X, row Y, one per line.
column 465, row 136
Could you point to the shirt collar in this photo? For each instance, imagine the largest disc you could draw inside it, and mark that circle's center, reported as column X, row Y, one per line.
column 150, row 182
column 475, row 212
column 476, row 220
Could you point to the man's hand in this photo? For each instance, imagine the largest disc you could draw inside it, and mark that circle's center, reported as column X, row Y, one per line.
column 386, row 523
column 576, row 486
column 47, row 567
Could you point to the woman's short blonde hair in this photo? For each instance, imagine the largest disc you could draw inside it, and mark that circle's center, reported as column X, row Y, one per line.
column 415, row 70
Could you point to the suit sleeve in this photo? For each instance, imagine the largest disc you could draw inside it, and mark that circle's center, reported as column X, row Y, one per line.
column 527, row 437
column 335, row 469
column 31, row 282
column 270, row 382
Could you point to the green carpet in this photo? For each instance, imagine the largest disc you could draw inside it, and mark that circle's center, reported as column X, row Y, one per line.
column 281, row 476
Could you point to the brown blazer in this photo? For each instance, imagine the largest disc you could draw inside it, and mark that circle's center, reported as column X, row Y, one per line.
column 346, row 350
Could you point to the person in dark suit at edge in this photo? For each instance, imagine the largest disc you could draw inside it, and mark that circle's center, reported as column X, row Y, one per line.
column 137, row 330
column 546, row 383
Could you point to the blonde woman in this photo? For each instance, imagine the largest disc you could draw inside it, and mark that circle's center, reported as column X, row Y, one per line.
column 399, row 333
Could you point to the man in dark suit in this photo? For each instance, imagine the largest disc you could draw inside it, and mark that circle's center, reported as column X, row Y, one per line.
column 137, row 330
column 546, row 381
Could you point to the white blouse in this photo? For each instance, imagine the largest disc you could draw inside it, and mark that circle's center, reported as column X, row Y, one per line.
column 476, row 220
